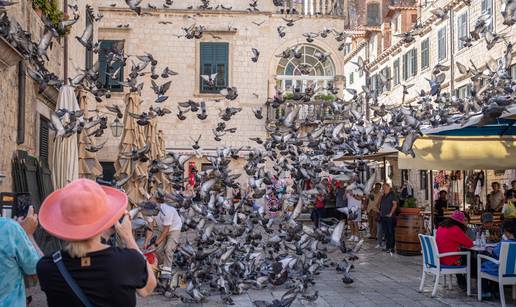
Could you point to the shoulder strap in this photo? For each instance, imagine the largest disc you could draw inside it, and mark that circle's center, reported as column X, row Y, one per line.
column 58, row 260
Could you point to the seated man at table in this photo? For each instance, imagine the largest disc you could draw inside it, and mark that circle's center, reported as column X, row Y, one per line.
column 492, row 232
column 450, row 237
column 509, row 232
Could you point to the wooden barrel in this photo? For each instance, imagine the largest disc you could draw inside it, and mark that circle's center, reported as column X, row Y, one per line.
column 407, row 229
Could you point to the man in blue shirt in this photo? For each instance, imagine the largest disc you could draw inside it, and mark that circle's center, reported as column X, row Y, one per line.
column 19, row 255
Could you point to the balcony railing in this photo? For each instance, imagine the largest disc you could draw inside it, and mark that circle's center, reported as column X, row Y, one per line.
column 311, row 112
column 406, row 3
column 313, row 7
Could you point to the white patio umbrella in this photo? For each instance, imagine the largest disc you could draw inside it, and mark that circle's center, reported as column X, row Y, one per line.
column 65, row 155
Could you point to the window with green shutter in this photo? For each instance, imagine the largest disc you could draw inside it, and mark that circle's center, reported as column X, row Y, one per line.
column 441, row 44
column 396, row 69
column 425, row 53
column 405, row 66
column 410, row 64
column 413, row 55
column 106, row 70
column 214, row 59
column 486, row 7
column 43, row 139
column 462, row 29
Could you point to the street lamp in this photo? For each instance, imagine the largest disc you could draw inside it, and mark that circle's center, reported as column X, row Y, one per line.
column 117, row 128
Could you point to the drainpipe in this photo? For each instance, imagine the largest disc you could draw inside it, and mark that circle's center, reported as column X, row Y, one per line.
column 367, row 81
column 65, row 49
column 452, row 52
column 20, row 131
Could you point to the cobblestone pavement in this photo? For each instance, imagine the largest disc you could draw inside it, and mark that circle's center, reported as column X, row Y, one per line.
column 380, row 280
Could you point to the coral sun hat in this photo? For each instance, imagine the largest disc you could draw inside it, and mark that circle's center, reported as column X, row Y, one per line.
column 458, row 216
column 81, row 210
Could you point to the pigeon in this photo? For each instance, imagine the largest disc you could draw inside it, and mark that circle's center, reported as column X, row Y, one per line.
column 160, row 90
column 181, row 113
column 203, row 114
column 95, row 148
column 258, row 113
column 115, row 109
column 196, row 146
column 230, row 93
column 87, row 34
column 4, row 4
column 167, row 72
column 256, row 55
column 134, row 5
column 209, row 79
column 281, row 31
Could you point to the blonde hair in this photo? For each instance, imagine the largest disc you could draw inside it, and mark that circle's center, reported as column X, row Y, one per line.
column 77, row 249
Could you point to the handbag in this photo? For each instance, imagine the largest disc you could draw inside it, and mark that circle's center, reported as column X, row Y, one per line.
column 58, row 260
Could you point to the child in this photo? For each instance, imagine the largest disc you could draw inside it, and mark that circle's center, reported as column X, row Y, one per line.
column 509, row 231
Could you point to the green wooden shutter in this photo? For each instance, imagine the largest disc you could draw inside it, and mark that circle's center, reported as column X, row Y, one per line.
column 104, row 45
column 106, row 80
column 43, row 139
column 214, row 59
column 414, row 61
column 405, row 66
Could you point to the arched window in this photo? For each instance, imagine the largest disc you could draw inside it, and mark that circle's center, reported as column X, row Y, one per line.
column 314, row 65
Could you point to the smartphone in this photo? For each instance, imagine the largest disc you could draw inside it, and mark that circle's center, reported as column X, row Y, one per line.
column 22, row 203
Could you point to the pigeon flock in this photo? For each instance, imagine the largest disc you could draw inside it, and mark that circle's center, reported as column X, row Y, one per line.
column 238, row 244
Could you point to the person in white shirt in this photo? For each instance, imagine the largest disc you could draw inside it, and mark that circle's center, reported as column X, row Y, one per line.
column 169, row 225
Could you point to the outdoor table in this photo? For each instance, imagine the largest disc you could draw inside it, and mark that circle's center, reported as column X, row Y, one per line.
column 475, row 250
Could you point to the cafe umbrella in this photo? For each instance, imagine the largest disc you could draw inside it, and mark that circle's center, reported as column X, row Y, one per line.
column 89, row 166
column 132, row 154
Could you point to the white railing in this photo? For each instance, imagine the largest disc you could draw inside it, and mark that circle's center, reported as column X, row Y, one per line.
column 313, row 7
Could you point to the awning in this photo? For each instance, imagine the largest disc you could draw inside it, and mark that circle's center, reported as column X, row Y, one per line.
column 468, row 147
column 386, row 152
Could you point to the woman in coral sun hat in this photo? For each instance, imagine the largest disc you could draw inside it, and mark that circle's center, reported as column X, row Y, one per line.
column 450, row 237
column 80, row 213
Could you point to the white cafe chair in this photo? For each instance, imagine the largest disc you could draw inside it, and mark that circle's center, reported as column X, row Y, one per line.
column 432, row 265
column 506, row 270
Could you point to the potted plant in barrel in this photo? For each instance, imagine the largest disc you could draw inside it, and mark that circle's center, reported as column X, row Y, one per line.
column 409, row 207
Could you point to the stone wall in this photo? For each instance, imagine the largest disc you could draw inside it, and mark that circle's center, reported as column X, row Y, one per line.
column 35, row 104
column 478, row 54
column 255, row 81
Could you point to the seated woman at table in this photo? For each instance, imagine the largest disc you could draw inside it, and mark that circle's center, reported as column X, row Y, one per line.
column 450, row 237
column 509, row 233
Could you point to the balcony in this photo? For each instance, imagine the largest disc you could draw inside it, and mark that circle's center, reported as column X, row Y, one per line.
column 313, row 7
column 310, row 113
column 403, row 3
column 9, row 56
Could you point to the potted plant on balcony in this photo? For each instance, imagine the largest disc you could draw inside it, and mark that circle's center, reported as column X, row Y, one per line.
column 49, row 8
column 409, row 207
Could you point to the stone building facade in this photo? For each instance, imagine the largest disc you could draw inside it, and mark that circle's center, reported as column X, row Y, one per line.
column 22, row 132
column 412, row 63
column 158, row 32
